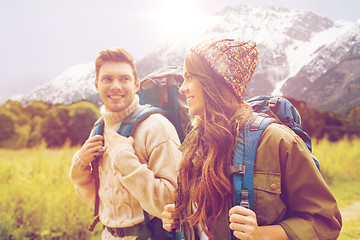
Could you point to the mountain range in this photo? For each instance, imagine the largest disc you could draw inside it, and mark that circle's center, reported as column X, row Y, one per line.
column 301, row 55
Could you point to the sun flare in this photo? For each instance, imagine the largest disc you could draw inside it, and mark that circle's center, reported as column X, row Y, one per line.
column 179, row 17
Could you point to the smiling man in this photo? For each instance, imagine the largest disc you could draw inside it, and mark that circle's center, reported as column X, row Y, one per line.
column 137, row 174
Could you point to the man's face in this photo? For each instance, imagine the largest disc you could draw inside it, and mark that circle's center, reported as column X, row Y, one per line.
column 116, row 85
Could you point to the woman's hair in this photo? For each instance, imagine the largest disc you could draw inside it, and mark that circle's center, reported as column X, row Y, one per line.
column 114, row 55
column 204, row 177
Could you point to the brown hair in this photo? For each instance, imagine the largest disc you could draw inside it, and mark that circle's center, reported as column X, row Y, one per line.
column 114, row 55
column 203, row 176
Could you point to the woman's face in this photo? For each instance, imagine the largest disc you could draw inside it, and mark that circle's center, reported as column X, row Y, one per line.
column 192, row 89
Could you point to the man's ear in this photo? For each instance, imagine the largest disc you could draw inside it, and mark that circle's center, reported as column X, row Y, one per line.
column 96, row 84
column 137, row 85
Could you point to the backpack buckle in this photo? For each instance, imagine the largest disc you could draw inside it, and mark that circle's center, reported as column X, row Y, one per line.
column 100, row 151
column 273, row 102
column 239, row 169
column 245, row 199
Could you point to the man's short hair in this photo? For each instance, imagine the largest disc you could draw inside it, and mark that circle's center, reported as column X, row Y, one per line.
column 114, row 55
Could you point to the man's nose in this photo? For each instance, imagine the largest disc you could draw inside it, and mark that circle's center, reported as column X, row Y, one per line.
column 116, row 85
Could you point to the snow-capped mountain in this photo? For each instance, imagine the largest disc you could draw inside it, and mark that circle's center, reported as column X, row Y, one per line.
column 288, row 41
column 75, row 84
column 332, row 77
column 296, row 50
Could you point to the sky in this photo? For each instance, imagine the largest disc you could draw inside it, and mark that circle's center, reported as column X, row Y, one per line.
column 40, row 39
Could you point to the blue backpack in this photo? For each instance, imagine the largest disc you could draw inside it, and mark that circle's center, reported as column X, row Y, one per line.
column 161, row 89
column 267, row 109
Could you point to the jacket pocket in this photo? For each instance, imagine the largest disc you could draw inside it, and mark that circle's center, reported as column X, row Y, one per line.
column 268, row 205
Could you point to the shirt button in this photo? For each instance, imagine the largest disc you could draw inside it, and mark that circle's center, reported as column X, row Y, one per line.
column 273, row 186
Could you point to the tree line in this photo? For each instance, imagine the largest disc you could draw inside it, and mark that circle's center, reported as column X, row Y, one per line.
column 40, row 122
column 325, row 124
column 57, row 125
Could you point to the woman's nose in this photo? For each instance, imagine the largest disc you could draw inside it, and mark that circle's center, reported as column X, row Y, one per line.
column 183, row 88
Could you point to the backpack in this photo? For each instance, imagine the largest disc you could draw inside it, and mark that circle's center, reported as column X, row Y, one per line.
column 158, row 93
column 161, row 89
column 267, row 109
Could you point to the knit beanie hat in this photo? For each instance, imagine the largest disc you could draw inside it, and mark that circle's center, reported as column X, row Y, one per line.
column 233, row 60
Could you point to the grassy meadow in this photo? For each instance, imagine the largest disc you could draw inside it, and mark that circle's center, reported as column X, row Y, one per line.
column 38, row 200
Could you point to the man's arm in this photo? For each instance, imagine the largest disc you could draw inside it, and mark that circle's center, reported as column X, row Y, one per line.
column 80, row 172
column 150, row 173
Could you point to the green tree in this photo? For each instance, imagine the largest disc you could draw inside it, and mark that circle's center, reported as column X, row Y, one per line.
column 7, row 124
column 37, row 108
column 35, row 136
column 354, row 115
column 17, row 109
column 353, row 121
column 54, row 130
column 83, row 117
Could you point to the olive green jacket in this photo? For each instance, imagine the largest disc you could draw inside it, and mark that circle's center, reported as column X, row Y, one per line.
column 289, row 191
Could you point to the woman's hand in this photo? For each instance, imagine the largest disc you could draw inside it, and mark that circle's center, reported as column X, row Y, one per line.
column 169, row 219
column 244, row 224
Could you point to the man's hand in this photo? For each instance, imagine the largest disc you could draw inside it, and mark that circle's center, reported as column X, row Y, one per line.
column 90, row 149
column 116, row 139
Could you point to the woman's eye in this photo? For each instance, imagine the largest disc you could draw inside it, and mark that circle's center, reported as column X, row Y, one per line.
column 188, row 77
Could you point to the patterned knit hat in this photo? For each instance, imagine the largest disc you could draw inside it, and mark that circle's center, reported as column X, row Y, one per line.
column 233, row 60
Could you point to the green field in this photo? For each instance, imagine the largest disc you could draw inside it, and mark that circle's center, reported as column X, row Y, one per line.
column 38, row 200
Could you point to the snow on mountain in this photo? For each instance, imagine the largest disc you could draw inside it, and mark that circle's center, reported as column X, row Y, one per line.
column 301, row 53
column 331, row 81
column 295, row 49
column 287, row 40
column 326, row 56
column 75, row 84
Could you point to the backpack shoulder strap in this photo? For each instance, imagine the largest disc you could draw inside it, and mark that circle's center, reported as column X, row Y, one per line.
column 130, row 123
column 98, row 128
column 127, row 128
column 244, row 159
